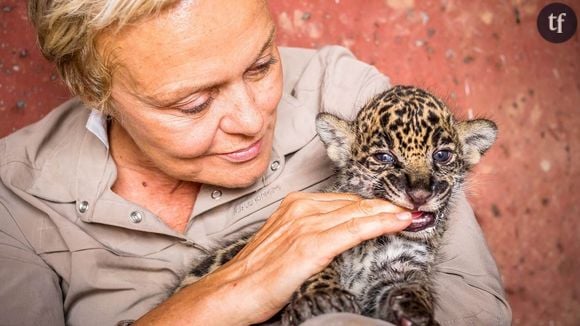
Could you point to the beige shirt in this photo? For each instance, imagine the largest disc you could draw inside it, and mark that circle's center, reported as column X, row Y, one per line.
column 74, row 252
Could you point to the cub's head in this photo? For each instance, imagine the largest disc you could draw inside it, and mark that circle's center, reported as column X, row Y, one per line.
column 406, row 147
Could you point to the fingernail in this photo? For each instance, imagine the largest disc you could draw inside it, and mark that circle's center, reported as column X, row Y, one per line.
column 405, row 216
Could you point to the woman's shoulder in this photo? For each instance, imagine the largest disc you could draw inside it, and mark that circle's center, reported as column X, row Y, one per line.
column 330, row 79
column 45, row 152
column 31, row 144
column 308, row 66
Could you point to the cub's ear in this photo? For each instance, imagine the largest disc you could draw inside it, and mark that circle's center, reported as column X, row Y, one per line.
column 476, row 136
column 337, row 136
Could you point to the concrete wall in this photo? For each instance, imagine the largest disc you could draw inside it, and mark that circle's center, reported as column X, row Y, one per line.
column 485, row 58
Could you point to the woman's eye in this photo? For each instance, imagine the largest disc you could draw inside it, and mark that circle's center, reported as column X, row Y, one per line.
column 387, row 158
column 260, row 69
column 196, row 105
column 196, row 109
column 442, row 156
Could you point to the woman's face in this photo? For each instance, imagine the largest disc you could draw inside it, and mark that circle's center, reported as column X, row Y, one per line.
column 195, row 91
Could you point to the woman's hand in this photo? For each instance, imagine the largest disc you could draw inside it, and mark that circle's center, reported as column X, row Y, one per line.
column 299, row 240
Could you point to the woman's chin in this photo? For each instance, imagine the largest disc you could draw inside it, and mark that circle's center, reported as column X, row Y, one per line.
column 236, row 180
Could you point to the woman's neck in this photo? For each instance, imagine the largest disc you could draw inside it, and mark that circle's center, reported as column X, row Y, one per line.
column 141, row 182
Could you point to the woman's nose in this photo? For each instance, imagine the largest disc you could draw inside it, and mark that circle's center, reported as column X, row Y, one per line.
column 243, row 115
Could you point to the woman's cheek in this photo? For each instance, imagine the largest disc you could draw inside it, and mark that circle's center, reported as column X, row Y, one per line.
column 270, row 93
column 181, row 136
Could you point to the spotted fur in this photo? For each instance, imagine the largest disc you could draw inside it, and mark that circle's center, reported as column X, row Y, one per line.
column 404, row 146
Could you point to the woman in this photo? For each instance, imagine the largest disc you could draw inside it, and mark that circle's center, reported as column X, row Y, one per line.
column 194, row 136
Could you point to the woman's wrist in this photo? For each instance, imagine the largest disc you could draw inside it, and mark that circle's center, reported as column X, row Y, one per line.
column 227, row 300
column 213, row 300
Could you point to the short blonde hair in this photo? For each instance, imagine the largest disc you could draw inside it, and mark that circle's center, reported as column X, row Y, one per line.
column 67, row 31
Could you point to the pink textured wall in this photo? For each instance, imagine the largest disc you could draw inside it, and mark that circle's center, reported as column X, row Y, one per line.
column 485, row 58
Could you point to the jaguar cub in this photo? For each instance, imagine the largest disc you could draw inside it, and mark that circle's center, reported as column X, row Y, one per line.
column 406, row 147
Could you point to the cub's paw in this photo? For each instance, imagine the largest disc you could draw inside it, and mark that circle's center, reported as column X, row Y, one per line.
column 410, row 306
column 318, row 302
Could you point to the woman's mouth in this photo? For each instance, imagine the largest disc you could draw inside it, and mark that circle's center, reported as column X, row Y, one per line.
column 245, row 154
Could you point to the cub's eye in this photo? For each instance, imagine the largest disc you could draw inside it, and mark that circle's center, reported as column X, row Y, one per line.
column 442, row 156
column 385, row 158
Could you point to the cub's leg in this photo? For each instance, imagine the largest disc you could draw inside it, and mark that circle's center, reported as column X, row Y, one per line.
column 212, row 262
column 320, row 294
column 402, row 303
column 409, row 304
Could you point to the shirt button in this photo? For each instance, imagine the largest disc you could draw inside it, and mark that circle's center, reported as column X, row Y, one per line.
column 216, row 194
column 83, row 206
column 136, row 217
column 275, row 165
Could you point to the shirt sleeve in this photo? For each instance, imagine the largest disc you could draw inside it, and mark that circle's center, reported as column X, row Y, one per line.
column 467, row 282
column 30, row 292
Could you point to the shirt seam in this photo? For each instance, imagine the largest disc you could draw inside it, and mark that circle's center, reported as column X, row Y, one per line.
column 28, row 262
column 470, row 316
column 11, row 216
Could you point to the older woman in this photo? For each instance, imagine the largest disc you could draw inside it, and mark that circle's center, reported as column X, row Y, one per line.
column 187, row 132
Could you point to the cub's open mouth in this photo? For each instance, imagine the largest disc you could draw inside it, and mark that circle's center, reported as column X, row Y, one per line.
column 421, row 221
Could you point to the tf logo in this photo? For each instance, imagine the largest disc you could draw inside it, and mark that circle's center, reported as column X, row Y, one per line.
column 557, row 22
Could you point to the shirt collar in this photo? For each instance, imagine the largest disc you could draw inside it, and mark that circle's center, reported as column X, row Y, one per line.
column 97, row 125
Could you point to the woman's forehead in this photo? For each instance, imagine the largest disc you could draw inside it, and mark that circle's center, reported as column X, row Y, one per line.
column 194, row 44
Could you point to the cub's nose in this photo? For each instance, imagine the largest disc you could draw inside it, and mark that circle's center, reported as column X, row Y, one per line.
column 419, row 196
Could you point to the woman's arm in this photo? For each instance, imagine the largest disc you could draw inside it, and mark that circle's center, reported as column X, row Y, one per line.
column 30, row 291
column 299, row 240
column 468, row 284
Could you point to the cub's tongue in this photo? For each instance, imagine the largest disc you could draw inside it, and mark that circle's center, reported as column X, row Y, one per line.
column 421, row 221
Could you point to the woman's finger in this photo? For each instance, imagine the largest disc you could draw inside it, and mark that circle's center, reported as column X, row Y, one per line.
column 306, row 215
column 361, row 208
column 301, row 204
column 325, row 219
column 354, row 231
column 319, row 196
